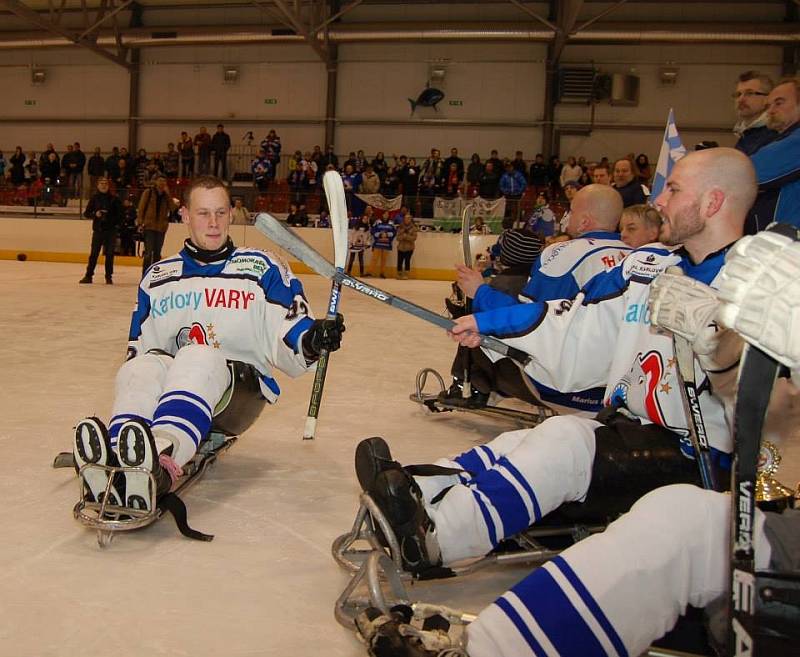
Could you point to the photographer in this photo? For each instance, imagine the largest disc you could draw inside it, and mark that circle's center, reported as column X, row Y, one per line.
column 105, row 211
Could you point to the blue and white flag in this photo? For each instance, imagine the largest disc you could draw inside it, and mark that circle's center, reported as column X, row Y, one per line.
column 672, row 150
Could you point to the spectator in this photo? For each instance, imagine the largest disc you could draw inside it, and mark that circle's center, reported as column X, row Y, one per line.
column 311, row 168
column 488, row 182
column 392, row 182
column 359, row 240
column 96, row 167
column 324, row 220
column 261, row 168
column 240, row 215
column 171, row 162
column 480, row 227
column 129, row 160
column 409, row 179
column 639, row 225
column 73, row 162
column 2, row 169
column 123, row 179
column 750, row 102
column 426, row 193
column 17, row 172
column 31, row 169
column 139, row 171
column 497, row 163
column 316, row 156
column 220, row 145
column 383, row 234
column 542, row 220
column 433, row 166
column 643, row 170
column 512, row 186
column 151, row 172
column 44, row 157
column 452, row 181
column 158, row 161
column 601, row 174
column 294, row 161
column 370, row 181
column 127, row 230
column 474, row 170
column 554, row 173
column 570, row 171
column 351, row 180
column 329, row 158
column 406, row 237
column 777, row 164
column 360, row 163
column 186, row 150
column 630, row 189
column 49, row 171
column 112, row 163
column 105, row 211
column 203, row 142
column 297, row 215
column 454, row 159
column 539, row 176
column 519, row 164
column 152, row 216
column 368, row 216
column 380, row 166
column 297, row 179
column 570, row 189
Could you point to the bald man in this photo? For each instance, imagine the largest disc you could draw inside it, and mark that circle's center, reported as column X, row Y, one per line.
column 587, row 469
column 560, row 272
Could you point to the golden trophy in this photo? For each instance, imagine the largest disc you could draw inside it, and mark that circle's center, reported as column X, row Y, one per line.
column 771, row 495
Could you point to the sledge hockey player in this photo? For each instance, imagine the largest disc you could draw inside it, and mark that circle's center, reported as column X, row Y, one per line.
column 615, row 593
column 211, row 323
column 638, row 443
column 560, row 272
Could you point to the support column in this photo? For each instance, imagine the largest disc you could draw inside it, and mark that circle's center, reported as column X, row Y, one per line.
column 133, row 102
column 330, row 99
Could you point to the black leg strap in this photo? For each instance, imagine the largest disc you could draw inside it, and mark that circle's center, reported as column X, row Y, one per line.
column 174, row 504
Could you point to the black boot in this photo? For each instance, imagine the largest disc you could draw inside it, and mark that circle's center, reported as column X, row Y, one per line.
column 92, row 446
column 454, row 396
column 137, row 449
column 85, row 279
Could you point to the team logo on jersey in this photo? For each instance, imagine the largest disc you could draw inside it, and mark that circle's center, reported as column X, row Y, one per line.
column 640, row 388
column 248, row 264
column 197, row 334
column 647, row 266
column 164, row 271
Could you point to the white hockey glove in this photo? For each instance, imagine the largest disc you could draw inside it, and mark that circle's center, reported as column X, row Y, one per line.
column 760, row 295
column 685, row 307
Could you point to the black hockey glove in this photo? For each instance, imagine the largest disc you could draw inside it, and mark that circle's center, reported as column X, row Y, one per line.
column 323, row 334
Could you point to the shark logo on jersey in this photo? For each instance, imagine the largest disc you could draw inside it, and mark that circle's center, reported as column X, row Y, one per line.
column 638, row 390
column 194, row 334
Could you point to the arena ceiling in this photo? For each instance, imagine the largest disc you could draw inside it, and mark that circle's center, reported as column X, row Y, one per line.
column 114, row 28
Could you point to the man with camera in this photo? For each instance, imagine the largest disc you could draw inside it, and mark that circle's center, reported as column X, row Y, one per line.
column 105, row 211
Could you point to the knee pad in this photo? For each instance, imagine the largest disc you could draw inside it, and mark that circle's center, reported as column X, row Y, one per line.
column 140, row 382
column 199, row 369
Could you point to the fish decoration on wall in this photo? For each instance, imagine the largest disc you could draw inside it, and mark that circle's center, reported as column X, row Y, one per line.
column 429, row 97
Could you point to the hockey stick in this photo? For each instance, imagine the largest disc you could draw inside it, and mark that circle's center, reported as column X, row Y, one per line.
column 334, row 190
column 694, row 416
column 466, row 248
column 286, row 239
column 756, row 378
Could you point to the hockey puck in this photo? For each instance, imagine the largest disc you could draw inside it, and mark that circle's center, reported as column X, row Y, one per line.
column 22, row 257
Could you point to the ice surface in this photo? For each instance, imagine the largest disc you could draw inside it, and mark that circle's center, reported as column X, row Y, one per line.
column 266, row 585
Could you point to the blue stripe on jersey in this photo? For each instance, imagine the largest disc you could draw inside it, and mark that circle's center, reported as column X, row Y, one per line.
column 506, row 500
column 522, row 628
column 488, row 297
column 487, row 517
column 183, row 427
column 197, row 398
column 118, row 420
column 511, row 321
column 537, row 512
column 583, row 400
column 271, row 383
column 472, row 462
column 556, row 616
column 292, row 338
column 140, row 314
column 591, row 603
column 605, row 285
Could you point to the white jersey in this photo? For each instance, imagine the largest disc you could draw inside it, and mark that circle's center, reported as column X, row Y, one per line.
column 604, row 337
column 249, row 306
column 560, row 272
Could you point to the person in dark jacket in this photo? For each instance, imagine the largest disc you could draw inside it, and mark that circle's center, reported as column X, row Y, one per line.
column 750, row 102
column 105, row 211
column 220, row 145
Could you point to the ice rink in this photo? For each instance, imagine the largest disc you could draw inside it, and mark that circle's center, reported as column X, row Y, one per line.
column 267, row 583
